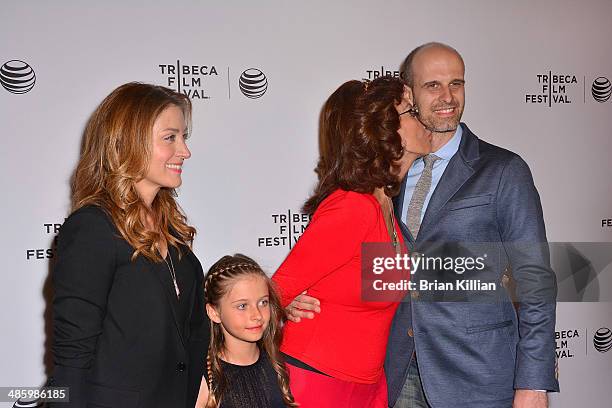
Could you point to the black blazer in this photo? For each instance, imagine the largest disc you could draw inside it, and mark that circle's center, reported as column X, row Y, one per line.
column 117, row 342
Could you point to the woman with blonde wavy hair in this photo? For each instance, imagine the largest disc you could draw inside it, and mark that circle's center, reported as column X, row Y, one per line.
column 128, row 312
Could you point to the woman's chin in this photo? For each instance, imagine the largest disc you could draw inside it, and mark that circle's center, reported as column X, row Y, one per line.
column 174, row 183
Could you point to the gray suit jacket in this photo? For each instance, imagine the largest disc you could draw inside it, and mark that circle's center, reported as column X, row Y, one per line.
column 474, row 350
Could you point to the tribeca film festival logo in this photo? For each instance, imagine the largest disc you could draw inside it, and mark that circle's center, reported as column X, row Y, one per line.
column 253, row 83
column 189, row 79
column 565, row 343
column 17, row 76
column 50, row 231
column 374, row 73
column 554, row 89
column 289, row 227
column 602, row 340
column 601, row 89
column 571, row 342
column 562, row 89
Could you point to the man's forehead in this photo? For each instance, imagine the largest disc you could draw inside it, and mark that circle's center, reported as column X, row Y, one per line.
column 437, row 51
column 437, row 61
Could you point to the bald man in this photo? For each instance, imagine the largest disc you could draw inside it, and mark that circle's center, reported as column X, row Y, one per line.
column 474, row 352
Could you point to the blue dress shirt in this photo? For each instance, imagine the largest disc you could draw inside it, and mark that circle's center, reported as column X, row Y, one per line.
column 445, row 153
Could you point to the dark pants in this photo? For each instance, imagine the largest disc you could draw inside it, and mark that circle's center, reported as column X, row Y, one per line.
column 412, row 395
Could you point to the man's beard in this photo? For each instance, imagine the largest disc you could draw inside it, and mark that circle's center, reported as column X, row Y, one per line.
column 441, row 125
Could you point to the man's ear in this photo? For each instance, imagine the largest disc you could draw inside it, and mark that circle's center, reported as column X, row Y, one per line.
column 408, row 96
column 212, row 313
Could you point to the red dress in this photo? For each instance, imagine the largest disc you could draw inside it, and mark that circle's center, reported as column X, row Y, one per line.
column 348, row 339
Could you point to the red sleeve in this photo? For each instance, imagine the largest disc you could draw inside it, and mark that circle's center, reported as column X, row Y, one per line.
column 333, row 238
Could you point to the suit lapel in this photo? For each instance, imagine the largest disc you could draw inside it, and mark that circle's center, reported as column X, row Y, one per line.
column 455, row 175
column 197, row 283
column 398, row 200
column 398, row 206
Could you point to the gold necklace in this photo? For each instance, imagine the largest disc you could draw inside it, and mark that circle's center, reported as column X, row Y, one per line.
column 172, row 273
column 394, row 239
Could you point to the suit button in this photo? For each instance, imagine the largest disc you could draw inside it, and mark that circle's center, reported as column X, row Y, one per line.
column 180, row 367
column 415, row 294
column 410, row 332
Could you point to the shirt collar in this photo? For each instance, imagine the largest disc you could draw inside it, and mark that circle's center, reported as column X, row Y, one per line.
column 451, row 147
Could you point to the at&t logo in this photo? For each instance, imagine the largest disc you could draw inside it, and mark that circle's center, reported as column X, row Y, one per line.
column 601, row 89
column 17, row 76
column 602, row 340
column 253, row 83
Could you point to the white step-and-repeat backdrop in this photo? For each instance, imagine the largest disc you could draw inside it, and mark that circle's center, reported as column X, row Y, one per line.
column 538, row 83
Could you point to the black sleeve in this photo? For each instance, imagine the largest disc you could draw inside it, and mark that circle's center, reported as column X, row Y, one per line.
column 199, row 341
column 82, row 277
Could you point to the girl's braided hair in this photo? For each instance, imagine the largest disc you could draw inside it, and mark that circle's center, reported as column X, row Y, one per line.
column 218, row 282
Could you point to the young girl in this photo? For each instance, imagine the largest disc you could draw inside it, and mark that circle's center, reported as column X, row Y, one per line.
column 244, row 366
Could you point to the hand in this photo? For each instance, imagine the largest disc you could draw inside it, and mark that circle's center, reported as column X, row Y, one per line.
column 202, row 394
column 303, row 306
column 530, row 399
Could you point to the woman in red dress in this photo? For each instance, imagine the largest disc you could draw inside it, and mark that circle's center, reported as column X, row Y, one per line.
column 369, row 138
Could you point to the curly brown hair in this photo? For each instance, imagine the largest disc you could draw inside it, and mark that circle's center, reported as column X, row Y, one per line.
column 359, row 145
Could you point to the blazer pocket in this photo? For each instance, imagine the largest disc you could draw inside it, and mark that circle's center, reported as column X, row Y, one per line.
column 469, row 202
column 486, row 327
